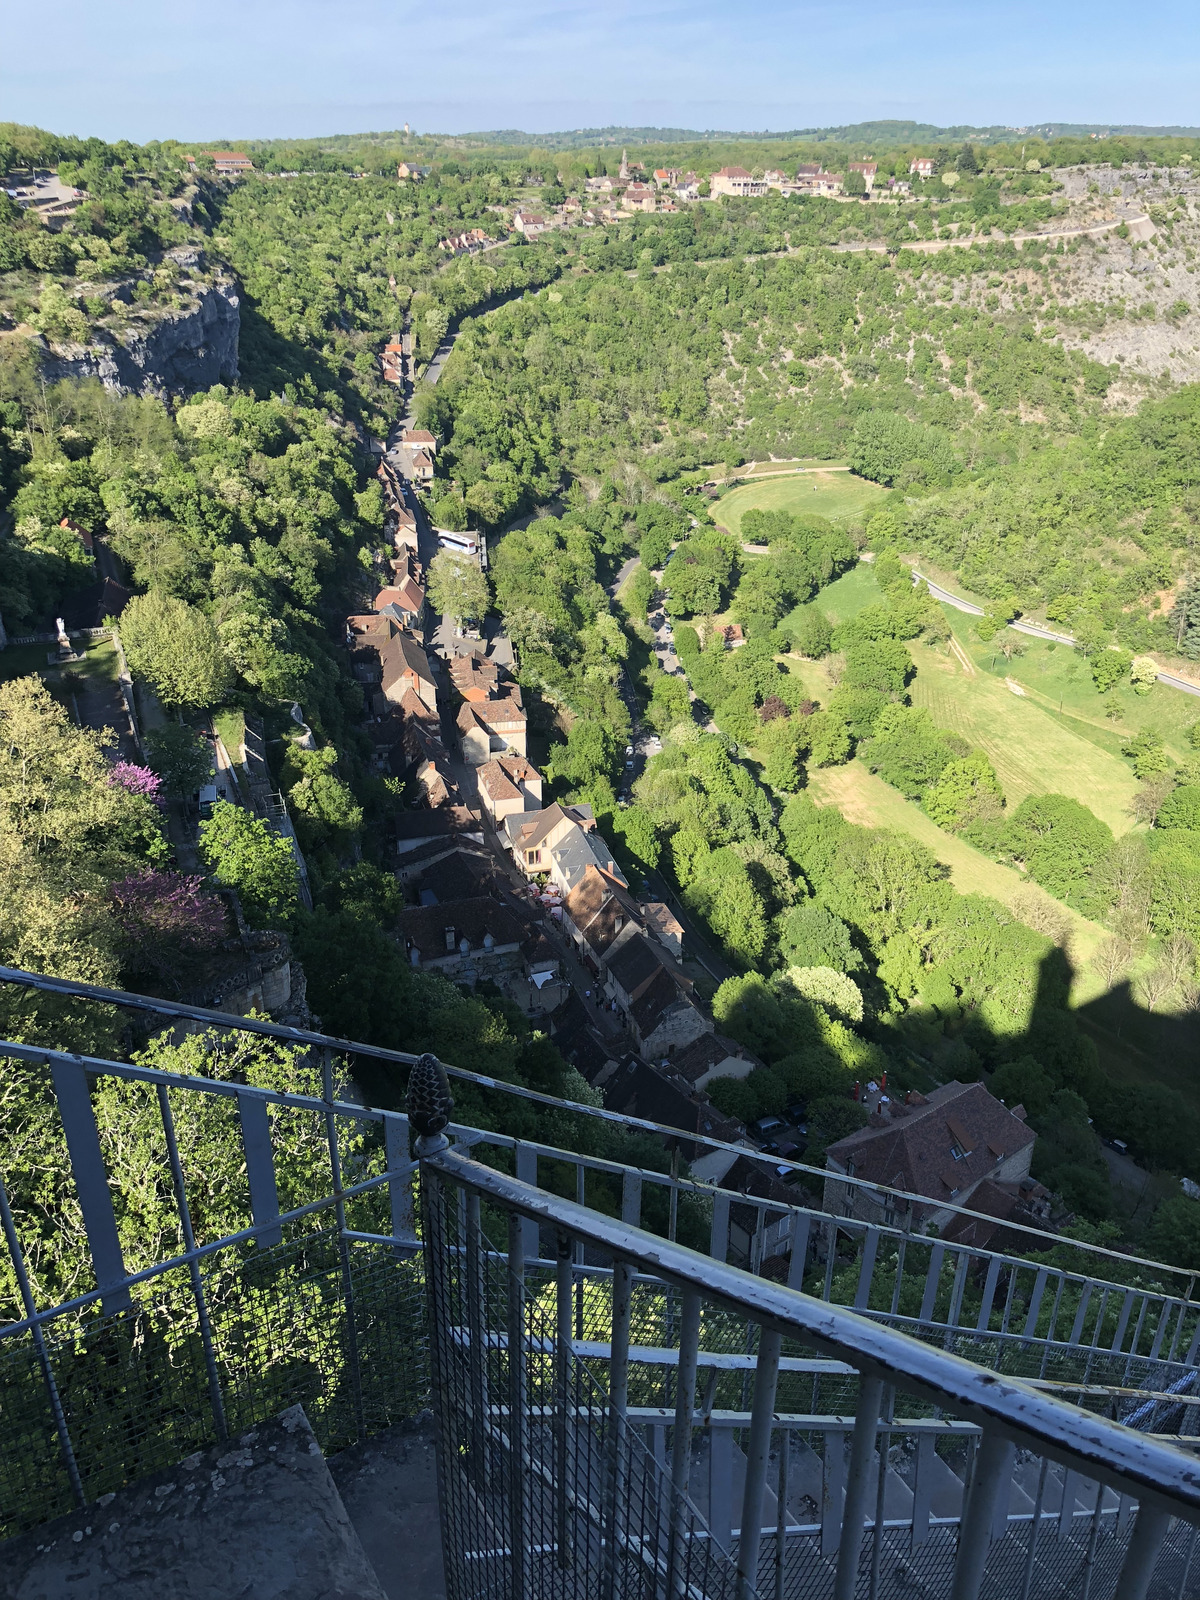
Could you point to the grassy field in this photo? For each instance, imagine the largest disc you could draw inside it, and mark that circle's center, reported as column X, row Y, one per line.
column 824, row 494
column 1032, row 751
column 864, row 798
column 1059, row 680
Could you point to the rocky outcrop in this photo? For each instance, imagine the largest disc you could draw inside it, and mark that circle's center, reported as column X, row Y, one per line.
column 177, row 353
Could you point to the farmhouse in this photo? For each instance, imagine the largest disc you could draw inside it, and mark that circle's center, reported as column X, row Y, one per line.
column 922, row 166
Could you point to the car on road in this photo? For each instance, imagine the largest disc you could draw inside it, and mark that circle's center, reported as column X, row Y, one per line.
column 628, row 749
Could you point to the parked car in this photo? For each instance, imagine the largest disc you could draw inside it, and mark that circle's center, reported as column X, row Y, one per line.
column 206, row 799
column 765, row 1128
column 788, row 1149
column 628, row 749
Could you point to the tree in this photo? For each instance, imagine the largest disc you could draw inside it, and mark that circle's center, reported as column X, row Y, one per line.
column 166, row 920
column 892, row 450
column 809, row 633
column 1112, row 960
column 965, row 791
column 1144, row 674
column 809, row 935
column 1179, row 961
column 1180, row 808
column 1109, row 667
column 242, row 851
column 1175, row 1232
column 854, row 183
column 1059, row 840
column 884, row 665
column 176, row 649
column 1154, row 986
column 1185, row 619
column 457, row 587
column 182, row 757
column 1146, row 751
column 325, row 807
column 834, row 990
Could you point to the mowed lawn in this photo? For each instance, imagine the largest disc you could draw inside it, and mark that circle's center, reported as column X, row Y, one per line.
column 1060, row 680
column 1032, row 751
column 839, row 495
column 864, row 798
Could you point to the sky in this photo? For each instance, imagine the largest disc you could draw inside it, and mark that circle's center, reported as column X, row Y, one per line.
column 145, row 69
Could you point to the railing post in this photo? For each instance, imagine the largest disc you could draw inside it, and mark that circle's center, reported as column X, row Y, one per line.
column 618, row 1400
column 516, row 1404
column 564, row 1365
column 681, row 1442
column 1149, row 1531
column 29, row 1305
column 335, row 1168
column 91, row 1184
column 757, row 1450
column 215, row 1398
column 862, row 1449
column 991, row 1478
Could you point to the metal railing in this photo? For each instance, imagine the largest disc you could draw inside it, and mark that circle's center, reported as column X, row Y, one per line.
column 535, row 1419
column 324, row 1301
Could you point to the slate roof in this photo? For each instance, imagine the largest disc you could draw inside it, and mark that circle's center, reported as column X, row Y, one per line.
column 914, row 1146
column 652, row 1005
column 457, row 876
column 697, row 1058
column 424, row 927
column 635, row 964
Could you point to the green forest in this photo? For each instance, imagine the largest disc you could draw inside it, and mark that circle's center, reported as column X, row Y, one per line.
column 606, row 387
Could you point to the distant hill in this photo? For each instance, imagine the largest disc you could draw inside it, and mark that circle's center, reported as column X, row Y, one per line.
column 877, row 134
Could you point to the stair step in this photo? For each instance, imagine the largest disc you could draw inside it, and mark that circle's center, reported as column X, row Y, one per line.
column 259, row 1516
column 389, row 1488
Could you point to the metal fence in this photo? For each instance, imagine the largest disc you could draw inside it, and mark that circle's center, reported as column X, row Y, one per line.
column 936, row 1477
column 321, row 1297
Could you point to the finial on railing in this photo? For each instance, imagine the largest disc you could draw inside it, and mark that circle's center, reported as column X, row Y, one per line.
column 429, row 1103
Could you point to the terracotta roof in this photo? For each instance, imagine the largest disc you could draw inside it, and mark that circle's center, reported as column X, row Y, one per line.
column 914, row 1146
column 600, row 908
column 661, row 919
column 402, row 654
column 495, row 783
column 731, row 172
column 418, row 436
column 491, row 715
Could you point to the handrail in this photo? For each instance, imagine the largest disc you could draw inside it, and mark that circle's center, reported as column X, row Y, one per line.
column 1132, row 1463
column 72, row 988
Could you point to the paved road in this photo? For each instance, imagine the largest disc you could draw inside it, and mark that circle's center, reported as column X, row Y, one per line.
column 1036, row 632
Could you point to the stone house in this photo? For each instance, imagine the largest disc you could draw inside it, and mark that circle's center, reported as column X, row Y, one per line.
column 943, row 1145
column 922, row 166
column 508, row 786
column 492, row 727
column 654, row 998
column 735, row 181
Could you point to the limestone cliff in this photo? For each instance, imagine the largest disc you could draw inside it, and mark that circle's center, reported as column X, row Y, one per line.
column 174, row 351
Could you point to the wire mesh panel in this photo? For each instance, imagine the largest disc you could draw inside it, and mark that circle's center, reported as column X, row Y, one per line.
column 548, row 1491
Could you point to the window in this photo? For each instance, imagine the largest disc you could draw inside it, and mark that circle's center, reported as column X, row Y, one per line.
column 957, row 1151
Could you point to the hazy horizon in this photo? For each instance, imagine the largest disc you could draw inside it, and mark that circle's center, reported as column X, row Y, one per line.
column 307, row 69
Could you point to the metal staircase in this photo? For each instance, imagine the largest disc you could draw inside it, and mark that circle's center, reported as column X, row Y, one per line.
column 619, row 1415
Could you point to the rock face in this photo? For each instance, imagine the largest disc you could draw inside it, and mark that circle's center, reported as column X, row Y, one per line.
column 179, row 353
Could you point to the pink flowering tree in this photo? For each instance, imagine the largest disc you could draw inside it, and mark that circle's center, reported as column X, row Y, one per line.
column 166, row 919
column 138, row 780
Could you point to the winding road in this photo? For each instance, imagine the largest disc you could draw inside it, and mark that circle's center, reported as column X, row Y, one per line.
column 1033, row 629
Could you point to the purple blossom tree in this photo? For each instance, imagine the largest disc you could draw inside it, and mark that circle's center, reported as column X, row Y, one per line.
column 138, row 780
column 165, row 918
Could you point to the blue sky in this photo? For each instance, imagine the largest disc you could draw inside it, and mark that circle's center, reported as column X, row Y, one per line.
column 144, row 69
